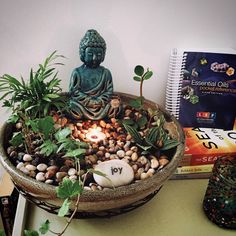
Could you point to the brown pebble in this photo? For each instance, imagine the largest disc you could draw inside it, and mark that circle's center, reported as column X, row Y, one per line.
column 113, row 120
column 64, row 168
column 60, row 175
column 135, row 167
column 100, row 154
column 134, row 156
column 19, row 125
column 53, row 168
column 102, row 123
column 50, row 173
column 163, row 162
column 91, row 159
column 10, row 149
column 63, row 121
column 69, row 163
column 13, row 154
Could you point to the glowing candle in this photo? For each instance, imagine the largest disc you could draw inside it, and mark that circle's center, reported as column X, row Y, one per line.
column 95, row 135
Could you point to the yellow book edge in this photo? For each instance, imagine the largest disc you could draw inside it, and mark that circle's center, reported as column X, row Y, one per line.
column 194, row 169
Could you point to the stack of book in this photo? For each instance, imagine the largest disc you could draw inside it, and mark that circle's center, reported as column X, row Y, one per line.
column 201, row 93
column 203, row 147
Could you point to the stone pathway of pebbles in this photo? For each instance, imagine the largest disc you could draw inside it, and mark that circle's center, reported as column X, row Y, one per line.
column 117, row 145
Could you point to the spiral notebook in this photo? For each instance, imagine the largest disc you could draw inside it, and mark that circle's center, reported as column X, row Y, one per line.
column 201, row 88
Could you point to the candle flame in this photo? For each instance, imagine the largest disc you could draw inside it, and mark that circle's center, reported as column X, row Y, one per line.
column 95, row 135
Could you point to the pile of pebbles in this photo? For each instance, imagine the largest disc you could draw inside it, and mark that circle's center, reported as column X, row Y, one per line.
column 116, row 145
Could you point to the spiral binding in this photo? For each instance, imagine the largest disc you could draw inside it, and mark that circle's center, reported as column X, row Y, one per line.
column 174, row 81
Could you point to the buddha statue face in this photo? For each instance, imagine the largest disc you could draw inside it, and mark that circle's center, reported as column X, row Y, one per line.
column 93, row 56
column 92, row 49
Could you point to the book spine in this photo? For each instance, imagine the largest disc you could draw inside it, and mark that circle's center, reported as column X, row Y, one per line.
column 192, row 160
column 194, row 169
column 174, row 82
column 191, row 176
column 7, row 214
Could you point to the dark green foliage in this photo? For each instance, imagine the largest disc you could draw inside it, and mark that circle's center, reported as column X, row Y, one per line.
column 69, row 188
column 48, row 147
column 155, row 135
column 36, row 97
column 137, row 103
column 134, row 133
column 30, row 233
column 66, row 190
column 2, row 233
column 17, row 139
column 62, row 134
column 44, row 126
column 139, row 70
column 44, row 228
column 64, row 209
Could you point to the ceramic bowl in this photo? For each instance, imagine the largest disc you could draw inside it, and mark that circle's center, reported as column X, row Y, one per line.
column 106, row 202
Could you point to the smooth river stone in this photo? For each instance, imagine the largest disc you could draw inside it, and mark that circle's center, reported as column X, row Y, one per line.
column 117, row 171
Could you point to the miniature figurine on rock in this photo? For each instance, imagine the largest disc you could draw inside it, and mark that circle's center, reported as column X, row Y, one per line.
column 91, row 87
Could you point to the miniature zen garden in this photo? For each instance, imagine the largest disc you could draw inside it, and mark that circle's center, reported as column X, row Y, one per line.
column 87, row 138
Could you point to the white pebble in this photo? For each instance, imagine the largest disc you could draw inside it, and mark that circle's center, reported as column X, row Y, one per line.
column 144, row 175
column 30, row 167
column 40, row 177
column 24, row 170
column 127, row 144
column 154, row 163
column 49, row 181
column 27, row 157
column 19, row 165
column 107, row 155
column 72, row 171
column 73, row 177
column 42, row 167
column 120, row 153
column 87, row 188
column 142, row 160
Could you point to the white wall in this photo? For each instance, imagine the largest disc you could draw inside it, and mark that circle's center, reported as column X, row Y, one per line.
column 136, row 32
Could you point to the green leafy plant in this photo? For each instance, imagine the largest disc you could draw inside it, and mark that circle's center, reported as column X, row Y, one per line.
column 155, row 139
column 140, row 75
column 36, row 97
column 2, row 233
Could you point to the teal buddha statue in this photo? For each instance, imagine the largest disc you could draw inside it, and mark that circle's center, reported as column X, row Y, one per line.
column 91, row 86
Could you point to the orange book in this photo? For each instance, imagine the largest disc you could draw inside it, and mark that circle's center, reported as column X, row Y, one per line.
column 205, row 145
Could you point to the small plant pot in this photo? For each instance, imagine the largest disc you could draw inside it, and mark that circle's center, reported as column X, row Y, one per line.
column 100, row 203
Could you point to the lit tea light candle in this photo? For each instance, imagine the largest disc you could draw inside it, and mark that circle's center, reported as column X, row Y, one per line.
column 95, row 135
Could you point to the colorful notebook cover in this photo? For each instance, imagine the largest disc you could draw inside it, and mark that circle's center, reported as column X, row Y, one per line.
column 201, row 89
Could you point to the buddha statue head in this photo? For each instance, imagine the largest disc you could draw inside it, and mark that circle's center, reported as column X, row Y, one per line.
column 92, row 49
